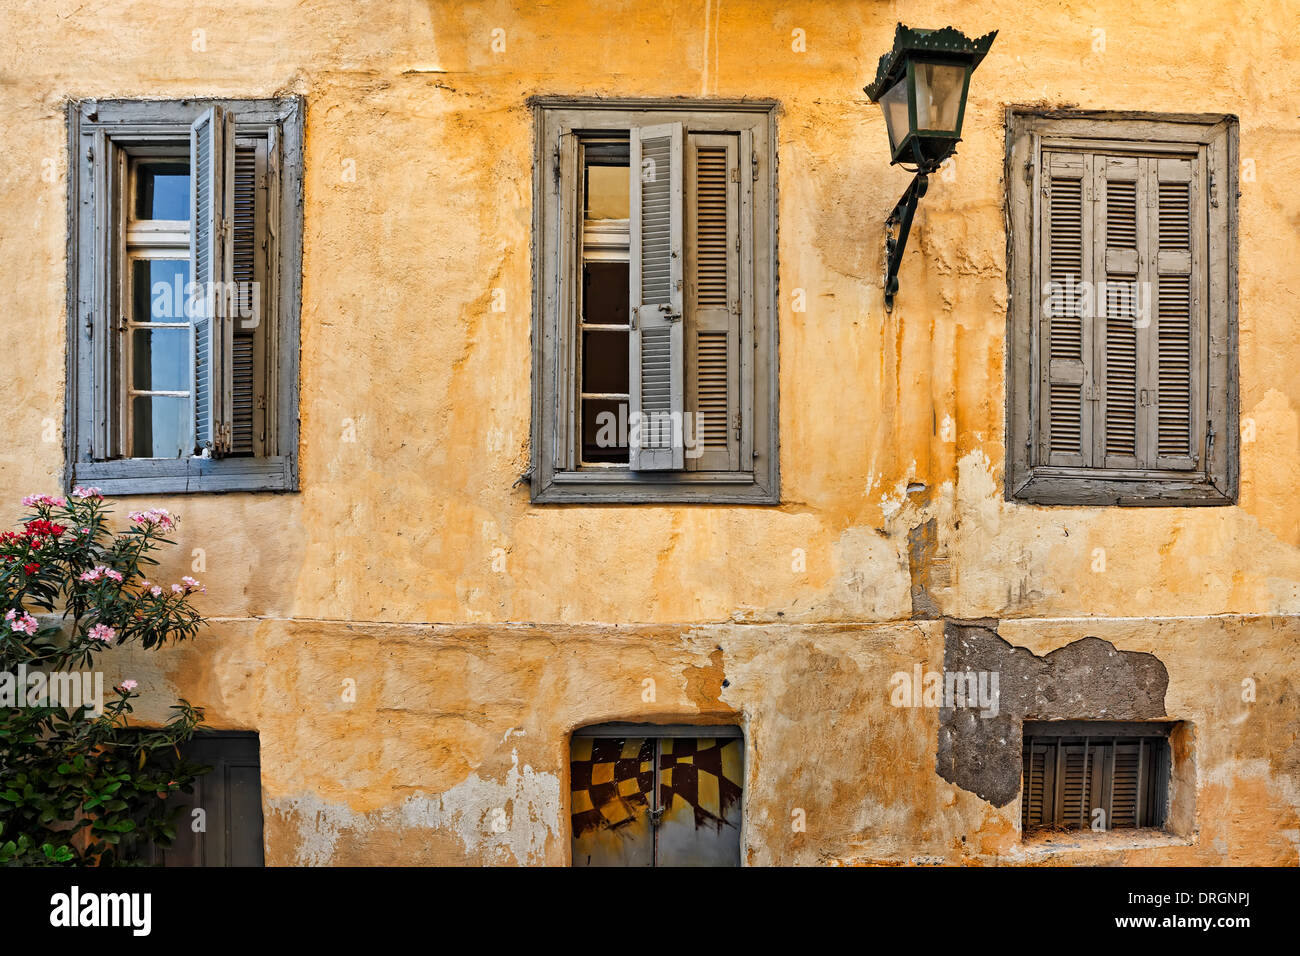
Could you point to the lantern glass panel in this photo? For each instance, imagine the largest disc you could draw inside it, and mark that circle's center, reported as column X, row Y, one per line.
column 894, row 105
column 938, row 96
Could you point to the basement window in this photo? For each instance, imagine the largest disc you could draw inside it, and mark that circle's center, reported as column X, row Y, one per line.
column 1095, row 775
column 649, row 795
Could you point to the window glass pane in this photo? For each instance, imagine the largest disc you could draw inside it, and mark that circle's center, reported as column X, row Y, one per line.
column 605, row 362
column 160, row 426
column 160, row 360
column 894, row 105
column 162, row 191
column 605, row 293
column 938, row 95
column 159, row 293
column 605, row 182
column 604, row 430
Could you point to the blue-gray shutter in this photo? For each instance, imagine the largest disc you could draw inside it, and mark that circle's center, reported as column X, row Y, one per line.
column 655, row 289
column 248, row 238
column 211, row 170
column 713, row 301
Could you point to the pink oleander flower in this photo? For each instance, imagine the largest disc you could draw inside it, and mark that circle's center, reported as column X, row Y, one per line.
column 127, row 685
column 21, row 623
column 160, row 517
column 100, row 571
column 177, row 589
column 92, row 492
column 36, row 501
column 155, row 590
column 102, row 632
column 192, row 585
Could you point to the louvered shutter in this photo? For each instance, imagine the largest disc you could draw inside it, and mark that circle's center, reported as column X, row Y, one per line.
column 1174, row 361
column 248, row 401
column 211, row 169
column 1066, row 321
column 1125, row 786
column 1074, row 796
column 712, row 322
column 1038, row 788
column 1121, row 345
column 655, row 291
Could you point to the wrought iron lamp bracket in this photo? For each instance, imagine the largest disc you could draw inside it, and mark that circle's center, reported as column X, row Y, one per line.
column 895, row 242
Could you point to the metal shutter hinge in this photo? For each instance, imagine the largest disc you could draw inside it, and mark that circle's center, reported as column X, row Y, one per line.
column 754, row 161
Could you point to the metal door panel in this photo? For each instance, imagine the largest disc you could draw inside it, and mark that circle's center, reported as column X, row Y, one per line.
column 612, row 782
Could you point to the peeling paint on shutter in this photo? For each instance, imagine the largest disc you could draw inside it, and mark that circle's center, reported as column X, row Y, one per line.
column 1120, row 237
column 1066, row 324
column 211, row 162
column 713, row 302
column 655, row 290
column 248, row 401
column 1176, row 320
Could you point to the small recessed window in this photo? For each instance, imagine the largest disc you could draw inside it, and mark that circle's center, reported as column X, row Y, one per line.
column 645, row 795
column 1094, row 775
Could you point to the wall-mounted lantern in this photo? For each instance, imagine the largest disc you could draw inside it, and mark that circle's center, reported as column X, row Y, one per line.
column 921, row 86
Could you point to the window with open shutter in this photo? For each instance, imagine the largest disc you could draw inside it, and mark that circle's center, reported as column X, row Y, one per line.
column 1122, row 325
column 656, row 234
column 186, row 236
column 1101, row 775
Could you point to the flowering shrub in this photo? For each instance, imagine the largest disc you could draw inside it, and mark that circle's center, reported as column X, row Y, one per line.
column 78, row 783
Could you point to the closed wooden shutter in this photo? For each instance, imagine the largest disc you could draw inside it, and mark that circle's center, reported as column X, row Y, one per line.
column 1069, row 779
column 211, row 170
column 656, row 342
column 1121, row 232
column 713, row 301
column 1066, row 338
column 1121, row 362
column 248, row 398
column 1175, row 353
column 1037, row 802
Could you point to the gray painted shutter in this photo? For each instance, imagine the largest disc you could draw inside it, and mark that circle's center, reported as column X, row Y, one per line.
column 248, row 398
column 1174, row 357
column 713, row 303
column 1065, row 353
column 1121, row 346
column 211, row 168
column 655, row 290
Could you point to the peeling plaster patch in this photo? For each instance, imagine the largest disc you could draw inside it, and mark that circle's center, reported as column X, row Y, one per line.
column 925, row 565
column 530, row 800
column 1088, row 679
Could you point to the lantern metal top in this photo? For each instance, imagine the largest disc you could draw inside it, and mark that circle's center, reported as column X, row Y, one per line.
column 948, row 42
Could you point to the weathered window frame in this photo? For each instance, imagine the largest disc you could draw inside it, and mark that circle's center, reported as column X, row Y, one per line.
column 553, row 370
column 1216, row 480
column 97, row 130
column 1097, row 742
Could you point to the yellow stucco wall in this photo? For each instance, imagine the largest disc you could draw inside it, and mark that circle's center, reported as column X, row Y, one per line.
column 396, row 530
